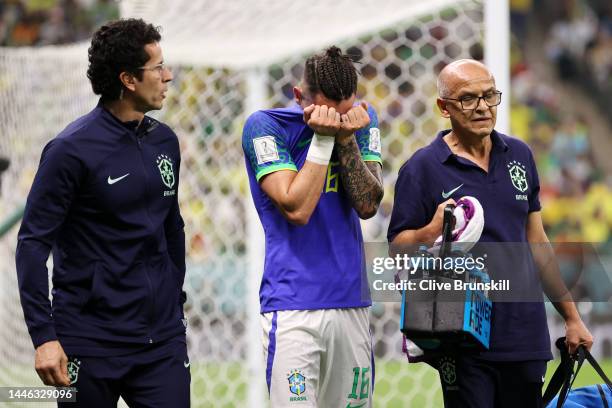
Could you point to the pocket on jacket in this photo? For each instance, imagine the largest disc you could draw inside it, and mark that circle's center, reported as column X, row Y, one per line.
column 72, row 286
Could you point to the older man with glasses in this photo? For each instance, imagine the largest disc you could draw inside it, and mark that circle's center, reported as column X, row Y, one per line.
column 473, row 159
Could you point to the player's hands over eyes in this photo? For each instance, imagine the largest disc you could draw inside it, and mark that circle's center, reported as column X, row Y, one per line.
column 353, row 120
column 51, row 364
column 324, row 120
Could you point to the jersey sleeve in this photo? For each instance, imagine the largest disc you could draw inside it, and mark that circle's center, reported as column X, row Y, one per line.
column 534, row 189
column 412, row 206
column 368, row 139
column 58, row 177
column 265, row 146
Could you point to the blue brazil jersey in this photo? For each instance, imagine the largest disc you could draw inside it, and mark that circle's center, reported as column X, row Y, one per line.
column 508, row 192
column 320, row 265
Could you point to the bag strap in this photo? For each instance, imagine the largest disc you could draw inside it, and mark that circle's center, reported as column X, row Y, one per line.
column 565, row 374
column 602, row 395
column 597, row 368
column 563, row 371
column 448, row 224
column 569, row 380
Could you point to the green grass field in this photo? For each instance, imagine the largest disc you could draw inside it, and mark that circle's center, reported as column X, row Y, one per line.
column 587, row 375
column 397, row 384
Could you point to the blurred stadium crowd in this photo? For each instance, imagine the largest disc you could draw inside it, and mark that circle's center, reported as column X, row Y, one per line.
column 580, row 44
column 578, row 39
column 45, row 22
column 574, row 195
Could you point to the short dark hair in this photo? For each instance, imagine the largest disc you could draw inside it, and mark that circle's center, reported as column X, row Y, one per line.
column 331, row 73
column 116, row 47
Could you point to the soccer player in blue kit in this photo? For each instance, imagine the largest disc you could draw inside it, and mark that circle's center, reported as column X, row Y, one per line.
column 105, row 202
column 314, row 170
column 473, row 159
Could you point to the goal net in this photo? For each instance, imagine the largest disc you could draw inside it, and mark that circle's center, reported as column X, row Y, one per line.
column 228, row 59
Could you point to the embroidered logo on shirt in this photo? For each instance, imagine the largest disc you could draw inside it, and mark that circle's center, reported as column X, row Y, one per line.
column 265, row 149
column 375, row 145
column 518, row 175
column 112, row 181
column 446, row 195
column 164, row 164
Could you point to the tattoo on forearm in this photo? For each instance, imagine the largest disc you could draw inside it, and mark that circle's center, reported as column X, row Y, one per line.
column 362, row 182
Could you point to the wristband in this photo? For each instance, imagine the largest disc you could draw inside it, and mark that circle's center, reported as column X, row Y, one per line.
column 320, row 149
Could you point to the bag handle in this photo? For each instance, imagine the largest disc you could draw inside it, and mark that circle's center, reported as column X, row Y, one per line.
column 564, row 376
column 569, row 380
column 448, row 224
column 563, row 372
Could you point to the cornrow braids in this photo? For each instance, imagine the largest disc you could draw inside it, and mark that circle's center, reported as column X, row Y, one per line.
column 332, row 74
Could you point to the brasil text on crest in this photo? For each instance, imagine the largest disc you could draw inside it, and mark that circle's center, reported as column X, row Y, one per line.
column 166, row 170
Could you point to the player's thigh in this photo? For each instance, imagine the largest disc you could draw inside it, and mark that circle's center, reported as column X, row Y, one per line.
column 467, row 382
column 347, row 364
column 163, row 383
column 96, row 380
column 292, row 355
column 528, row 377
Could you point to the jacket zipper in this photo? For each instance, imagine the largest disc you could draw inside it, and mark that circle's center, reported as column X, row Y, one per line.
column 149, row 283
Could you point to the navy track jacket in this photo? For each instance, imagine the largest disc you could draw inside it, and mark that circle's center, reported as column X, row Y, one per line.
column 104, row 201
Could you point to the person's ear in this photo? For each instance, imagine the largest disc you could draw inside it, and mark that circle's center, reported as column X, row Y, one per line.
column 297, row 94
column 443, row 109
column 128, row 80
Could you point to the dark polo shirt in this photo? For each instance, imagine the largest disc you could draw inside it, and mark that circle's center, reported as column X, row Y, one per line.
column 508, row 192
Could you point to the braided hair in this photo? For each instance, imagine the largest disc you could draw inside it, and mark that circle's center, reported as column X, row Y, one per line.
column 332, row 74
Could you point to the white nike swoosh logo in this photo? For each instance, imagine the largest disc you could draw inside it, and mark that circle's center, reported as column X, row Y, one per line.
column 446, row 195
column 110, row 180
column 187, row 364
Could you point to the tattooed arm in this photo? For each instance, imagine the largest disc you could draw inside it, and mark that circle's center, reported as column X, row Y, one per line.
column 361, row 180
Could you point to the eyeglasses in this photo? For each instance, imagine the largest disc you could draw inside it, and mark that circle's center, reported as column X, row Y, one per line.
column 159, row 68
column 471, row 102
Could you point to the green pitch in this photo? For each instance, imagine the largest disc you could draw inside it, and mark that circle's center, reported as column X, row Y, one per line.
column 397, row 384
column 587, row 375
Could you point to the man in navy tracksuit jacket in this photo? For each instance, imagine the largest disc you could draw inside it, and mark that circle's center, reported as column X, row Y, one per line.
column 104, row 202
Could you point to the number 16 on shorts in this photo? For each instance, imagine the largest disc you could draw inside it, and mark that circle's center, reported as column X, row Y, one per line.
column 361, row 386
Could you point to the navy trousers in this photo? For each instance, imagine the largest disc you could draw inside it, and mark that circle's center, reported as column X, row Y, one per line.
column 469, row 382
column 154, row 377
